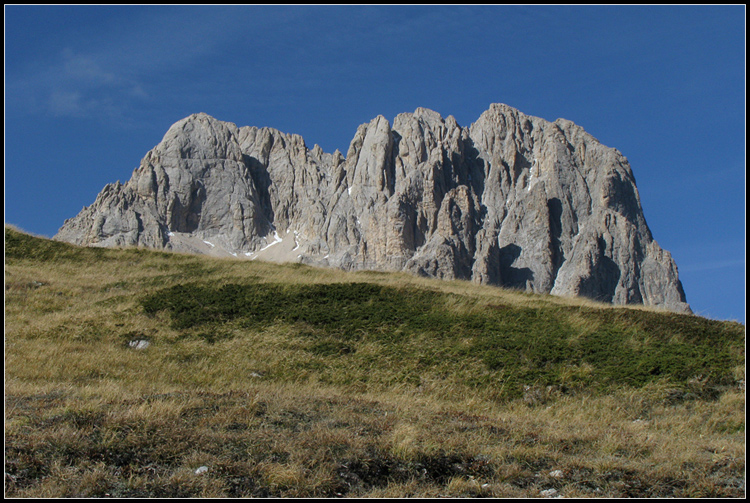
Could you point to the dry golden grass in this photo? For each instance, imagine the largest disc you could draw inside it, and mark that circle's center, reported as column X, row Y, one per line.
column 87, row 415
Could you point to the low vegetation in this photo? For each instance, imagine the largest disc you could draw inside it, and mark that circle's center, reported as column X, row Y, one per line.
column 136, row 373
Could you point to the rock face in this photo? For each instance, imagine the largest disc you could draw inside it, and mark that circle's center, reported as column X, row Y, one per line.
column 512, row 200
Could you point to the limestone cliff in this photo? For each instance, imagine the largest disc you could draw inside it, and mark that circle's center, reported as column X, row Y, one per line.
column 512, row 200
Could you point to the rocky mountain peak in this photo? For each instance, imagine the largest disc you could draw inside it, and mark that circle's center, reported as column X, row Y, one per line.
column 200, row 136
column 511, row 200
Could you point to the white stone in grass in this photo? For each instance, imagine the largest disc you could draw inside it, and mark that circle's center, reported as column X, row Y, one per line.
column 201, row 470
column 139, row 344
column 558, row 474
column 548, row 493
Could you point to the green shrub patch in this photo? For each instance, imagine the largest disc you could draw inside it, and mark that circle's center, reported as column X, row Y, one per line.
column 526, row 346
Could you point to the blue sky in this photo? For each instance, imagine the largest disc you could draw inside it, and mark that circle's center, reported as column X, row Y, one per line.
column 89, row 90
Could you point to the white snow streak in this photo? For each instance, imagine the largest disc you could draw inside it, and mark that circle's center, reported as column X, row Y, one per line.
column 276, row 240
column 296, row 243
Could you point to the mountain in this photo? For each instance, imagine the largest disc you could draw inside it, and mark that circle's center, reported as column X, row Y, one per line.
column 512, row 200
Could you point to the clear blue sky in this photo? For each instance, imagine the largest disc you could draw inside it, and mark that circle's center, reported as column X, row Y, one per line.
column 89, row 90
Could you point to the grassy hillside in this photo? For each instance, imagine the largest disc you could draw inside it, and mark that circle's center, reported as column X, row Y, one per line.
column 128, row 371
